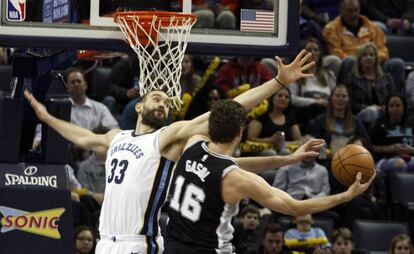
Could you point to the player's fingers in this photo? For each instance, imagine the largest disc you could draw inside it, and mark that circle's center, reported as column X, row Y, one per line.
column 305, row 59
column 307, row 66
column 358, row 177
column 299, row 57
column 311, row 154
column 278, row 61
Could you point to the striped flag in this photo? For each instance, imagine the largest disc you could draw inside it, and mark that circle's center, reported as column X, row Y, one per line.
column 257, row 21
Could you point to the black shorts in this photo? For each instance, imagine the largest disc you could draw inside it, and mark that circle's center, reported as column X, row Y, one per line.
column 173, row 246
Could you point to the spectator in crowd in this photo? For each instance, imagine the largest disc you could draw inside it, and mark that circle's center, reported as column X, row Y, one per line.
column 272, row 241
column 391, row 15
column 392, row 137
column 85, row 112
column 85, row 240
column 188, row 81
column 337, row 125
column 351, row 30
column 246, row 236
column 368, row 85
column 123, row 84
column 242, row 70
column 401, row 244
column 203, row 101
column 342, row 241
column 215, row 14
column 276, row 126
column 310, row 96
column 305, row 237
column 303, row 180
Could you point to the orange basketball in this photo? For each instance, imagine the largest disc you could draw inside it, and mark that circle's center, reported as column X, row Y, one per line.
column 350, row 160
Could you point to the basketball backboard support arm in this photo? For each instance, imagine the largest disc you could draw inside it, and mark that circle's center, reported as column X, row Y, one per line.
column 201, row 41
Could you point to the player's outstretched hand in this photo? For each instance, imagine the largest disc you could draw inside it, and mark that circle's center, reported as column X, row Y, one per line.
column 289, row 73
column 38, row 107
column 357, row 187
column 309, row 149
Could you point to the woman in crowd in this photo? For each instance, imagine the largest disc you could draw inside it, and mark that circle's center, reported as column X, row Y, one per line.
column 368, row 85
column 337, row 125
column 277, row 125
column 310, row 96
column 85, row 240
column 392, row 137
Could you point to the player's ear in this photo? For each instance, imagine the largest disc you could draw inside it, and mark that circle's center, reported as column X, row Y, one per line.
column 138, row 107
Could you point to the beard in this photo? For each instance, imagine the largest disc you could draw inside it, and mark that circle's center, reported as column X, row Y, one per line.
column 150, row 118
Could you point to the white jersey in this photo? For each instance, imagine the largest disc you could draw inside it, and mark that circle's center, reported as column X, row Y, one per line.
column 137, row 180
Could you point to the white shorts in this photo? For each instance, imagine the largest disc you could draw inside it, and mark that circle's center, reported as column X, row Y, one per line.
column 129, row 244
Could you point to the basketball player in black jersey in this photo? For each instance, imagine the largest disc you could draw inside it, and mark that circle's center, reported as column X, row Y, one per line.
column 208, row 184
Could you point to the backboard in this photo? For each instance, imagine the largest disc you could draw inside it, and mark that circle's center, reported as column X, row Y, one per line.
column 82, row 24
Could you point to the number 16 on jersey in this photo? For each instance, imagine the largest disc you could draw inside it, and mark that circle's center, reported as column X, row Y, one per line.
column 190, row 204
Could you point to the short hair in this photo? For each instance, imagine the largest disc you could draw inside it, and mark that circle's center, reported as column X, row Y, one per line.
column 249, row 209
column 73, row 70
column 226, row 119
column 272, row 228
column 343, row 232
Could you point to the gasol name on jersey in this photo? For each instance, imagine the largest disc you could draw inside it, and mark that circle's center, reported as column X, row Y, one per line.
column 133, row 148
column 197, row 168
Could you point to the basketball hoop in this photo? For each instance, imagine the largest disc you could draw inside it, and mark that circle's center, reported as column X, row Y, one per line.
column 159, row 39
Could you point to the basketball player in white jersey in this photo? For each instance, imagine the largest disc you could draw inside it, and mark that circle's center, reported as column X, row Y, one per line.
column 208, row 184
column 138, row 164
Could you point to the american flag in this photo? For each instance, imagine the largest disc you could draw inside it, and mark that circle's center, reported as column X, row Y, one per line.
column 257, row 21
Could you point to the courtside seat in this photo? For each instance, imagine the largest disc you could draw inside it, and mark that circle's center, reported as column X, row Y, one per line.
column 399, row 46
column 326, row 224
column 98, row 83
column 375, row 236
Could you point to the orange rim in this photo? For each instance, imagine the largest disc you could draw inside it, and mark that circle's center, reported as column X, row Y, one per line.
column 163, row 16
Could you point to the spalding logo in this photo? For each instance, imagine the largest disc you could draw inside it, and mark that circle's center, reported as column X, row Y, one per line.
column 31, row 170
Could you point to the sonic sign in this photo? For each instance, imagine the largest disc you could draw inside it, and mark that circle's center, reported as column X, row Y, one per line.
column 44, row 223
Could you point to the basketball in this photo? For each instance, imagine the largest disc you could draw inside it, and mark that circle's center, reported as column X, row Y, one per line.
column 350, row 160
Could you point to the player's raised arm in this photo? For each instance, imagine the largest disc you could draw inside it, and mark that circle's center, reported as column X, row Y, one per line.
column 79, row 136
column 239, row 184
column 259, row 164
column 287, row 74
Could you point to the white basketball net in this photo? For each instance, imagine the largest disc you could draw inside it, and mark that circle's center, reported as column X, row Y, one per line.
column 160, row 58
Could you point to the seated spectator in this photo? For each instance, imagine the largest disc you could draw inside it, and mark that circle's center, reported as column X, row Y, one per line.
column 276, row 126
column 303, row 180
column 85, row 240
column 342, row 241
column 272, row 241
column 401, row 244
column 188, row 81
column 215, row 14
column 369, row 87
column 350, row 30
column 307, row 238
column 246, row 235
column 337, row 125
column 85, row 112
column 242, row 70
column 392, row 16
column 392, row 137
column 310, row 96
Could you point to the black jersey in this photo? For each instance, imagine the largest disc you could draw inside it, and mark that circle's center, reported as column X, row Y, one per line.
column 198, row 215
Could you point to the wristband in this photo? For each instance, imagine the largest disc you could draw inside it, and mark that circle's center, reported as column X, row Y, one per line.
column 278, row 81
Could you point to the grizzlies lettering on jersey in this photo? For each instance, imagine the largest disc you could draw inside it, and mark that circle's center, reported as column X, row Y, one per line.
column 198, row 214
column 137, row 179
